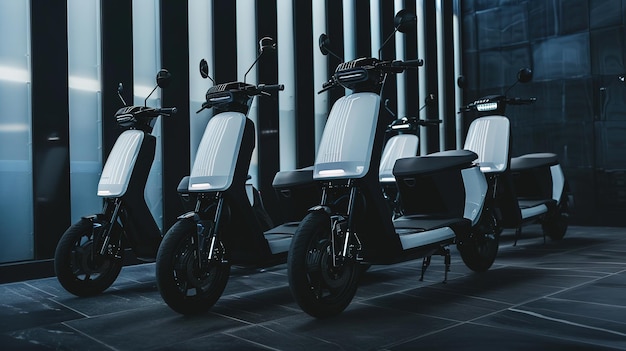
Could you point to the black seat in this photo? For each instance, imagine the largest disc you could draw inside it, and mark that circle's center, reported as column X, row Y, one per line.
column 287, row 179
column 536, row 160
column 434, row 162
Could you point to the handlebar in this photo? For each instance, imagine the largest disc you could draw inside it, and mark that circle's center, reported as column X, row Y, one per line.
column 228, row 92
column 262, row 88
column 520, row 101
column 166, row 111
column 408, row 63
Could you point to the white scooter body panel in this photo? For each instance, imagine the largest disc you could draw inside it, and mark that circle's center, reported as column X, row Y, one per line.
column 214, row 166
column 558, row 182
column 398, row 146
column 488, row 137
column 119, row 166
column 345, row 150
column 475, row 192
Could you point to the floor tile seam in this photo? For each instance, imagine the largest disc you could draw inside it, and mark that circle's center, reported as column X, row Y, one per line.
column 27, row 283
column 567, row 251
column 576, row 286
column 538, row 266
column 90, row 337
column 566, row 321
column 543, row 334
column 585, row 302
column 476, row 319
column 251, row 341
column 245, row 294
column 70, row 308
column 404, row 292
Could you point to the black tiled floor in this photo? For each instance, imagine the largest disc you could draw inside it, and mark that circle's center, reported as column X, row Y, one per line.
column 567, row 295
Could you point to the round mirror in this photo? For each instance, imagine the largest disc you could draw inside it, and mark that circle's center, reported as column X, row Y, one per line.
column 460, row 82
column 323, row 42
column 404, row 21
column 524, row 75
column 163, row 78
column 266, row 43
column 204, row 68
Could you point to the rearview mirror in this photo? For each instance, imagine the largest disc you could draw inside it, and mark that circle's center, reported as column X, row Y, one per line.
column 404, row 21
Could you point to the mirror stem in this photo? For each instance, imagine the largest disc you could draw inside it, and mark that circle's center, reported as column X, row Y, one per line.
column 385, row 43
column 253, row 63
column 145, row 102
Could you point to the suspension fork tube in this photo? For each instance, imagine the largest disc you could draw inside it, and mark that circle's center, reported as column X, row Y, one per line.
column 351, row 204
column 216, row 220
column 201, row 229
column 107, row 231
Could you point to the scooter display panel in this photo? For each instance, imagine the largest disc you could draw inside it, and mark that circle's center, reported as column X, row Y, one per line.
column 120, row 164
column 345, row 149
column 489, row 137
column 214, row 166
column 397, row 147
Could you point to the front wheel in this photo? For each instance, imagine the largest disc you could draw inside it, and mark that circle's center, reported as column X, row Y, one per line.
column 480, row 248
column 321, row 288
column 79, row 267
column 187, row 285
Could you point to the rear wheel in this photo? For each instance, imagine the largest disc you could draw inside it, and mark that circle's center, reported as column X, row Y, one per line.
column 480, row 248
column 187, row 286
column 319, row 287
column 82, row 270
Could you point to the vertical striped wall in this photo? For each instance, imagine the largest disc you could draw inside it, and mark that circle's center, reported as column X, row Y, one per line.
column 226, row 33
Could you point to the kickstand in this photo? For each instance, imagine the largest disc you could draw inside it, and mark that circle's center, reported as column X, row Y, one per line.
column 518, row 233
column 425, row 264
column 447, row 260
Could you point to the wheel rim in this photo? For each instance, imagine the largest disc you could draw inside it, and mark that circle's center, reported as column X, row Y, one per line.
column 327, row 282
column 190, row 278
column 84, row 265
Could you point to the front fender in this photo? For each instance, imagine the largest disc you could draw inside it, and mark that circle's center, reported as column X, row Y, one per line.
column 326, row 209
column 188, row 215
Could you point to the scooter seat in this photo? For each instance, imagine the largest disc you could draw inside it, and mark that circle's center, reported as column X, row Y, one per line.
column 434, row 162
column 536, row 160
column 183, row 186
column 287, row 179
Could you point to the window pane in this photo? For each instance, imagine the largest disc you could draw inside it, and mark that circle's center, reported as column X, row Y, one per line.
column 16, row 213
column 84, row 104
column 146, row 63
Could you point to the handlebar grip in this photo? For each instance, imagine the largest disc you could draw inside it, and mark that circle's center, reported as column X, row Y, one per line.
column 168, row 111
column 521, row 101
column 408, row 63
column 272, row 87
column 434, row 122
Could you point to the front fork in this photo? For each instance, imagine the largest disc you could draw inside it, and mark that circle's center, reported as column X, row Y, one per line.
column 207, row 230
column 341, row 229
column 102, row 229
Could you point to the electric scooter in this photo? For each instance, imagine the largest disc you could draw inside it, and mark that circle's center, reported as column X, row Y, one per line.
column 442, row 194
column 223, row 229
column 403, row 141
column 530, row 188
column 89, row 255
